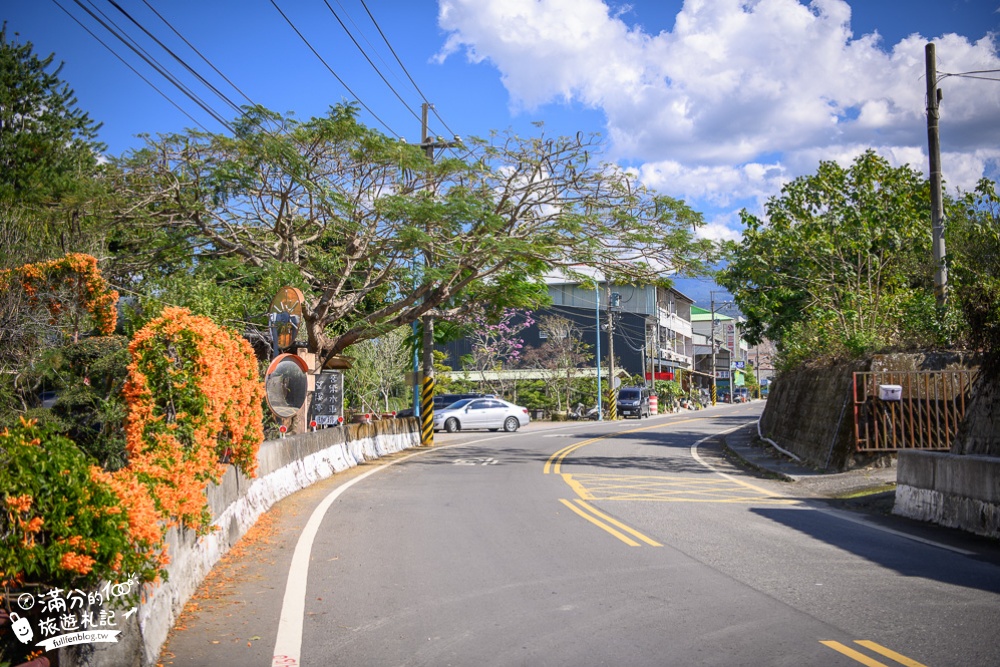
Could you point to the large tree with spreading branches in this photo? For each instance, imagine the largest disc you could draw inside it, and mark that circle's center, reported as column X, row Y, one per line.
column 379, row 235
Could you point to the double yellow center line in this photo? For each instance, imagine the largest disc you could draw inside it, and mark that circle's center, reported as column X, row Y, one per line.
column 554, row 464
column 607, row 523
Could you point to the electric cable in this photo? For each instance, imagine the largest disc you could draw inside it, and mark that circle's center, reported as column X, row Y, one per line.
column 374, row 66
column 127, row 64
column 235, row 107
column 149, row 60
column 193, row 48
column 406, row 71
column 968, row 75
column 335, row 75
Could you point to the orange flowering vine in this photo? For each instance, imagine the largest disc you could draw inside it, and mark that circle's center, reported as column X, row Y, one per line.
column 65, row 285
column 193, row 391
column 62, row 524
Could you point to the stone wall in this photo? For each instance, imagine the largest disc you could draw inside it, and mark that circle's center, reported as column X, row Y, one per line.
column 284, row 467
column 808, row 412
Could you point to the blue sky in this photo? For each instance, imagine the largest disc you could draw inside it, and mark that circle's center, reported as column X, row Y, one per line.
column 718, row 102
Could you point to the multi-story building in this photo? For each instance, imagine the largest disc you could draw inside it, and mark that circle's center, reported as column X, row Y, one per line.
column 650, row 326
column 652, row 329
column 723, row 334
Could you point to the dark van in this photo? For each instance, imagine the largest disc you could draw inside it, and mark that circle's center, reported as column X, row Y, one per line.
column 633, row 401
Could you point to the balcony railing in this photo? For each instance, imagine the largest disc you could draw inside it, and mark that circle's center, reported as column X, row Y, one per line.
column 674, row 323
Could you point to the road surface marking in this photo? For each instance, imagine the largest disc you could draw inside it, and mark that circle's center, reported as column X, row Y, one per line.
column 600, row 524
column 853, row 655
column 697, row 457
column 665, row 488
column 871, row 662
column 288, row 643
column 632, row 531
column 889, row 653
column 846, row 516
column 554, row 464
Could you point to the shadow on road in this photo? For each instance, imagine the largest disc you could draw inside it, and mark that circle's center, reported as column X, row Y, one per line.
column 905, row 556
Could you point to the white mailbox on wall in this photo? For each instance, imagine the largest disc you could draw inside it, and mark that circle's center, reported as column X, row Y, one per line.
column 890, row 392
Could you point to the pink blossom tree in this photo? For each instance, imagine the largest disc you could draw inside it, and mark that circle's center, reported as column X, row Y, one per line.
column 497, row 346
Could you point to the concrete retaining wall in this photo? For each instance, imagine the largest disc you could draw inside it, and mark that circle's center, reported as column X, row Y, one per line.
column 284, row 467
column 951, row 490
column 808, row 412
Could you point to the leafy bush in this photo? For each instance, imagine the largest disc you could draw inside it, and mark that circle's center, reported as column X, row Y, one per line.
column 61, row 524
column 90, row 401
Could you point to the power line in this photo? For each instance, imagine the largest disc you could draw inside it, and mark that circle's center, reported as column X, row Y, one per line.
column 406, row 71
column 969, row 76
column 180, row 60
column 192, row 47
column 341, row 81
column 374, row 66
column 127, row 64
column 152, row 62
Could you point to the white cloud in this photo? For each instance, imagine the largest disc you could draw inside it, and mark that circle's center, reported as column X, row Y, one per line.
column 722, row 228
column 721, row 185
column 741, row 96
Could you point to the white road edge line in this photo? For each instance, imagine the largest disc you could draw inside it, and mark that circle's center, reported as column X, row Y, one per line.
column 824, row 510
column 288, row 643
column 846, row 516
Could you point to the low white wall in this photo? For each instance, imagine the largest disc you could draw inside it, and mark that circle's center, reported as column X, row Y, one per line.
column 284, row 467
column 950, row 490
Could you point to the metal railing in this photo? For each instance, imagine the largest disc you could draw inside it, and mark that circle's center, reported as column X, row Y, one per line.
column 927, row 415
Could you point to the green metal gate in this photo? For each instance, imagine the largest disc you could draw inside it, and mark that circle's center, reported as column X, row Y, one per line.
column 930, row 408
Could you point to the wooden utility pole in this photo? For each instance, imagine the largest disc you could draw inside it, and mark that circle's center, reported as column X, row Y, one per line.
column 934, row 152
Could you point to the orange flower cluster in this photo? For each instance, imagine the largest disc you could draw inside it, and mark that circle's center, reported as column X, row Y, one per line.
column 18, row 508
column 193, row 391
column 79, row 563
column 58, row 524
column 145, row 533
column 60, row 285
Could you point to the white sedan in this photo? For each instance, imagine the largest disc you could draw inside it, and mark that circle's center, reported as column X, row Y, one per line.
column 491, row 413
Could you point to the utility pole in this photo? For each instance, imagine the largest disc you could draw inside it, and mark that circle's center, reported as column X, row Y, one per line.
column 711, row 336
column 934, row 152
column 429, row 145
column 612, row 397
column 597, row 338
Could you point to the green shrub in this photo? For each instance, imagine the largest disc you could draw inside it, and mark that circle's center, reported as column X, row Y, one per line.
column 59, row 526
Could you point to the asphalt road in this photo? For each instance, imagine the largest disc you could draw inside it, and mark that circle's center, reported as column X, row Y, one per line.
column 632, row 543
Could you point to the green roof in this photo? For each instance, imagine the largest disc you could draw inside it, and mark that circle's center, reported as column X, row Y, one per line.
column 703, row 315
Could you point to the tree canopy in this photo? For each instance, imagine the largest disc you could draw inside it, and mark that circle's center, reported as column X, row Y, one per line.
column 49, row 158
column 841, row 264
column 379, row 235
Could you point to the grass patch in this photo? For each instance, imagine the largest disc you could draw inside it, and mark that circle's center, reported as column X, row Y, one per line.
column 869, row 491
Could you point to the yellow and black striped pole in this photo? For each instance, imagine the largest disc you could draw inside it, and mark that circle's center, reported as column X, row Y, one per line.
column 427, row 413
column 612, row 405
